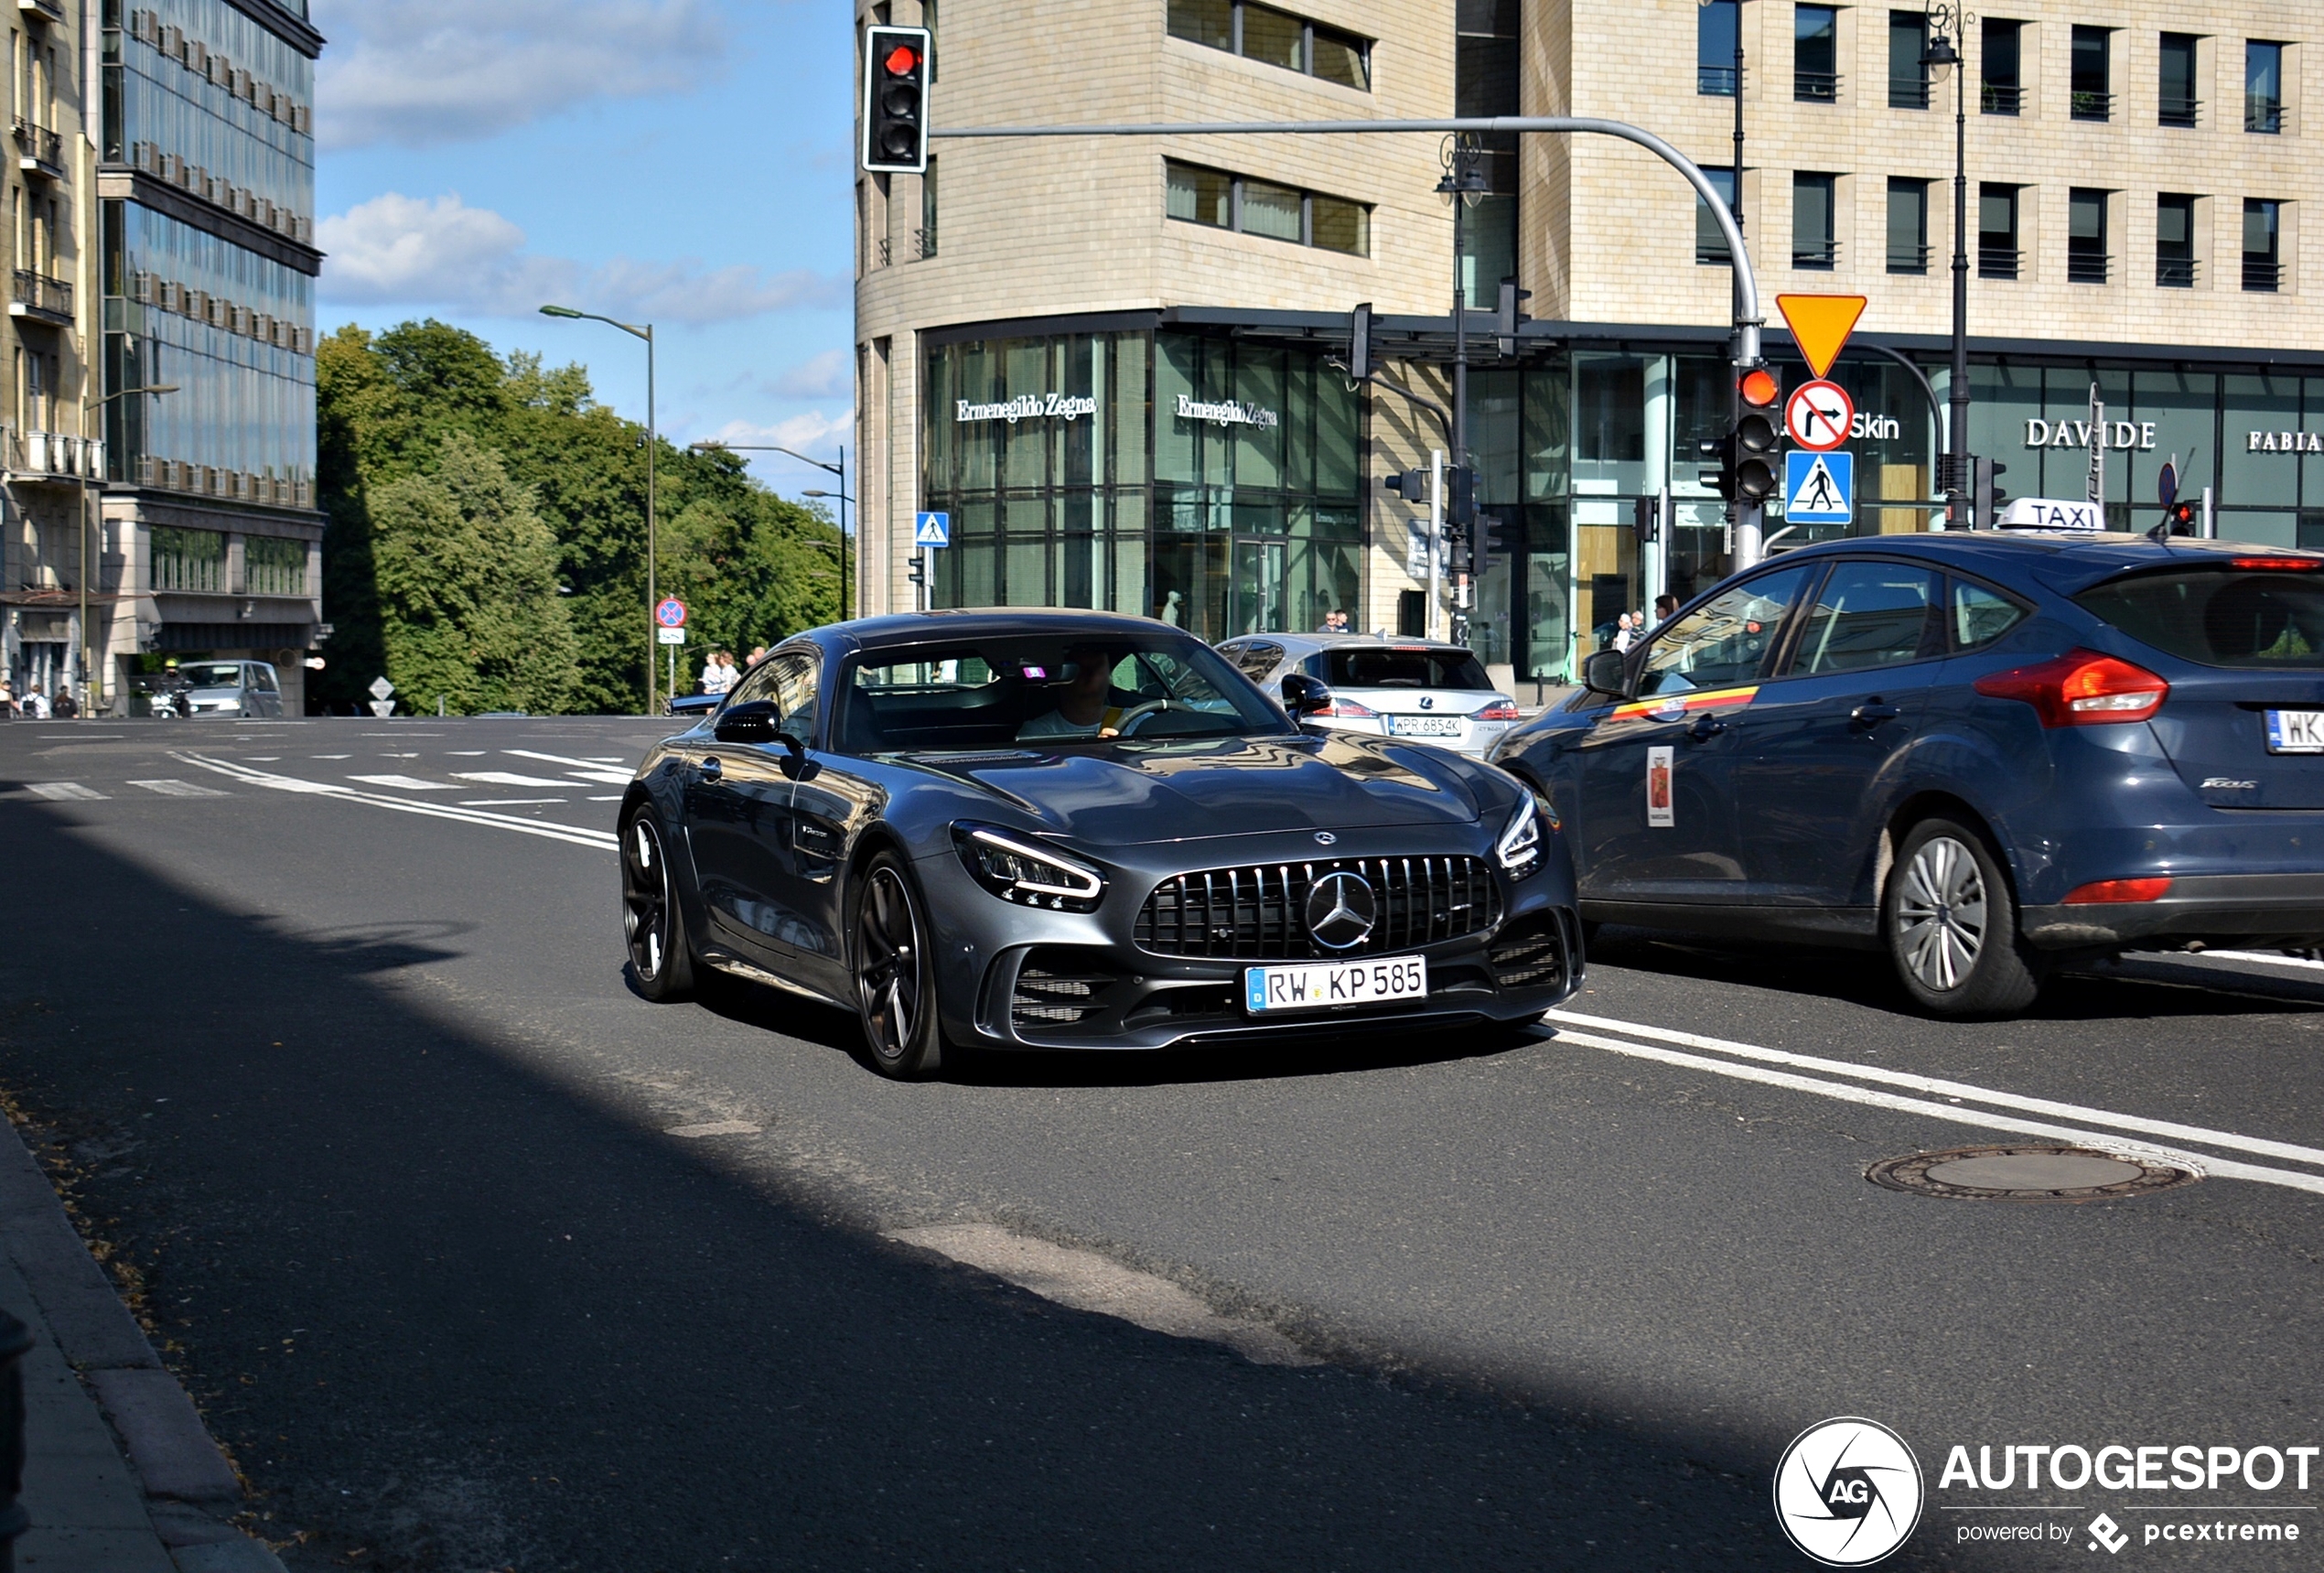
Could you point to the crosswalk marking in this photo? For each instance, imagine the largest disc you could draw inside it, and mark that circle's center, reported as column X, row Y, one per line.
column 404, row 783
column 507, row 801
column 64, row 791
column 585, row 769
column 179, row 788
column 506, row 778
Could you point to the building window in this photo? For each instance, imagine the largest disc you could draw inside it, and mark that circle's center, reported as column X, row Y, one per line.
column 1815, row 54
column 2003, row 90
column 1487, row 43
column 1716, row 27
column 2177, row 102
column 1225, row 201
column 2091, row 85
column 2262, row 242
column 1278, row 38
column 1997, row 250
column 2086, row 260
column 2174, row 242
column 272, row 566
column 2264, row 88
column 1710, row 242
column 189, row 559
column 1814, row 236
column 1908, row 225
column 1907, row 78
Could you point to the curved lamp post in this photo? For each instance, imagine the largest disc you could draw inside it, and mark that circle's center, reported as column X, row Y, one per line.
column 839, row 469
column 652, row 442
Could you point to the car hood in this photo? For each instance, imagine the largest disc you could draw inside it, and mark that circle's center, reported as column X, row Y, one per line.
column 1182, row 791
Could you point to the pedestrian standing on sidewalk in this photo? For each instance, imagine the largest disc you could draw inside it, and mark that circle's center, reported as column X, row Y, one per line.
column 66, row 708
column 1665, row 608
column 33, row 706
column 8, row 700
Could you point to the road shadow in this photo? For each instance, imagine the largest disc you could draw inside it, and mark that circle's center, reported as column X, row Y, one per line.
column 452, row 1314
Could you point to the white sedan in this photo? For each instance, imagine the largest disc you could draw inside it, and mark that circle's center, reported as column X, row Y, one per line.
column 1412, row 688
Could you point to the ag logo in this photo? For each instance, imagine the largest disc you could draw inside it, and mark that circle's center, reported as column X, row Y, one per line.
column 1847, row 1492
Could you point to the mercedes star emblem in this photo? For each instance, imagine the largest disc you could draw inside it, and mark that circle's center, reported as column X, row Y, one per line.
column 1324, row 839
column 1341, row 909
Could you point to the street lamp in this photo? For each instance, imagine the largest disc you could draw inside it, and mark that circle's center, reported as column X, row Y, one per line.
column 839, row 469
column 1943, row 22
column 90, row 695
column 652, row 441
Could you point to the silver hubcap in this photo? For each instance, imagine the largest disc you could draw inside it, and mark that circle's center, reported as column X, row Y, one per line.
column 1941, row 914
column 645, row 899
column 887, row 963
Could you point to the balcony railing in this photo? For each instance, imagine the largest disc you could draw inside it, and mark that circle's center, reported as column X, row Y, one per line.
column 37, row 294
column 2262, row 275
column 1998, row 262
column 1821, row 256
column 1816, row 86
column 924, row 244
column 1907, row 92
column 1715, row 81
column 2091, row 105
column 2088, row 267
column 1907, row 259
column 2179, row 113
column 52, row 456
column 39, row 147
column 52, row 9
column 2175, row 273
column 2002, row 98
column 2264, row 116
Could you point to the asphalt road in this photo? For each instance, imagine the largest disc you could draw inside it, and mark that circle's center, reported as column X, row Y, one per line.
column 330, row 1019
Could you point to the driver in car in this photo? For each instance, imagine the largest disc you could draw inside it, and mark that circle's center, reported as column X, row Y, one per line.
column 1086, row 706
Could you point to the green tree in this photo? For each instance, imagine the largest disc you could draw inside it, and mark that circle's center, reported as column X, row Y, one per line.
column 467, row 577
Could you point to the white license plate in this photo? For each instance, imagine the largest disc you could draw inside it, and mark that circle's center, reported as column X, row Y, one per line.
column 2296, row 731
column 1319, row 985
column 1424, row 726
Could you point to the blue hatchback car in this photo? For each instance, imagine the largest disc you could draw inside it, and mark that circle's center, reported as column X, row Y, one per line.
column 1984, row 753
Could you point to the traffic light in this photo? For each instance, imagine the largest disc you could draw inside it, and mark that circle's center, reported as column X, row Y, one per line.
column 1986, row 499
column 1412, row 485
column 1360, row 343
column 1720, row 452
column 896, row 101
column 1505, row 324
column 1646, row 520
column 1460, row 495
column 1459, row 559
column 1753, row 459
column 2180, row 517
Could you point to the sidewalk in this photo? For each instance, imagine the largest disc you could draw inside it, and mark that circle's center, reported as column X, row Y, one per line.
column 149, row 1493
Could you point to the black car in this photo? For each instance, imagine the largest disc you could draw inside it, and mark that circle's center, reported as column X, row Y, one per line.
column 1075, row 830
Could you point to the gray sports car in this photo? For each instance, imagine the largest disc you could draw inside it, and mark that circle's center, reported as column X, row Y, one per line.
column 1044, row 830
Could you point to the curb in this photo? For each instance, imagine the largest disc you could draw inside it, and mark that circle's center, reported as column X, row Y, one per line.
column 186, row 1481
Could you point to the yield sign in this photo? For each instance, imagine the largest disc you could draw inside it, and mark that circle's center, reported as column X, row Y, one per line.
column 1819, row 415
column 1819, row 325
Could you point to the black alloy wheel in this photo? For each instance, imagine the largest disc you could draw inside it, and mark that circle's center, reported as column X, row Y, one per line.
column 660, row 958
column 1951, row 925
column 894, row 973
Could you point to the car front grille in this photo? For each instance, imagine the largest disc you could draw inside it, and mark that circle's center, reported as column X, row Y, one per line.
column 1051, row 992
column 1534, row 953
column 1258, row 912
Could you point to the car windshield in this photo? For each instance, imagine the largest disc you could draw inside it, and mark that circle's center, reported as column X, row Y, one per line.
column 1397, row 666
column 212, row 673
column 2268, row 619
column 1010, row 691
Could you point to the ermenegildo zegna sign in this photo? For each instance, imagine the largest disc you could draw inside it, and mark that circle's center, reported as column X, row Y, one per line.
column 1027, row 406
column 1228, row 413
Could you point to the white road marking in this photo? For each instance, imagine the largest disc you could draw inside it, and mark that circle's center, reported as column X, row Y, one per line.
column 404, row 783
column 179, row 788
column 467, row 753
column 65, row 792
column 507, row 801
column 614, row 797
column 262, row 759
column 587, row 769
column 507, row 778
column 1956, row 1113
column 2261, row 957
column 1087, row 1281
column 712, row 1128
column 575, row 834
column 330, row 756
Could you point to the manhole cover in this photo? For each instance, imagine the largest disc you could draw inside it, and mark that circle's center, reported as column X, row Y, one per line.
column 2029, row 1174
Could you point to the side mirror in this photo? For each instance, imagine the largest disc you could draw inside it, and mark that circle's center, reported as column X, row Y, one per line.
column 1304, row 696
column 754, row 722
column 1608, row 671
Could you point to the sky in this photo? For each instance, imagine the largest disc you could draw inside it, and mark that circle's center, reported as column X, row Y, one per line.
column 685, row 163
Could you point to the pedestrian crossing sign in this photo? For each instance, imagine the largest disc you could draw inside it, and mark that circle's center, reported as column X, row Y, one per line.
column 932, row 529
column 1818, row 487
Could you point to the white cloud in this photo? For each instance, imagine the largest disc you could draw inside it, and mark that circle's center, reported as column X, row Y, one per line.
column 815, row 434
column 420, row 72
column 439, row 252
column 825, row 376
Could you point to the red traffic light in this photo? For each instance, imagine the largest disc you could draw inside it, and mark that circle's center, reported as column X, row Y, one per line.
column 902, row 60
column 1759, row 387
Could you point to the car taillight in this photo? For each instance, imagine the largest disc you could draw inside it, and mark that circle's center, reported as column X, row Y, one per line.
column 2080, row 688
column 1498, row 711
column 2294, row 564
column 1349, row 710
column 2118, row 890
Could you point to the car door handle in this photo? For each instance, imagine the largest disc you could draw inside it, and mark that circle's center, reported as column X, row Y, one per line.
column 1873, row 713
column 711, row 769
column 1706, row 728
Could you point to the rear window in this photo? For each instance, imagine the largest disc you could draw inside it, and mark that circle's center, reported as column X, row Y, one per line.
column 1386, row 666
column 2219, row 617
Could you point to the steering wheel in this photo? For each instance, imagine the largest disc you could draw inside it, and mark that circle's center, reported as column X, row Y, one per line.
column 1137, row 714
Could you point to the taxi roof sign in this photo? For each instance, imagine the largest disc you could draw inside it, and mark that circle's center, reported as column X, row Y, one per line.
column 1820, row 326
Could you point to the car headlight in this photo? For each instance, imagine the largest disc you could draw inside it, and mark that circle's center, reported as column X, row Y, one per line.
column 1520, row 846
column 1018, row 869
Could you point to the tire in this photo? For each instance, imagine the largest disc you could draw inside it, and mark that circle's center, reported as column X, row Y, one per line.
column 894, row 971
column 653, row 926
column 1950, row 926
